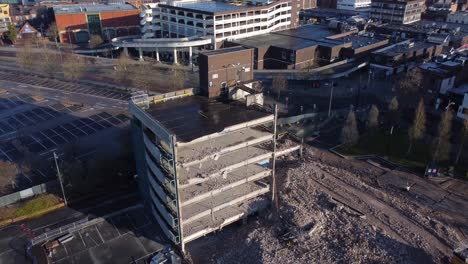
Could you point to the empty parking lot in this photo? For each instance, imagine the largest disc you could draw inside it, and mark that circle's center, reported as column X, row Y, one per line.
column 31, row 127
column 65, row 86
column 124, row 238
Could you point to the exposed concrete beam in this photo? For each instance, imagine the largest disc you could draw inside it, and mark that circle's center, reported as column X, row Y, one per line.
column 229, row 149
column 252, row 178
column 227, row 169
column 219, row 207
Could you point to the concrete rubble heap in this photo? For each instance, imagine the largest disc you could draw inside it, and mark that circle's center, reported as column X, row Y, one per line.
column 314, row 227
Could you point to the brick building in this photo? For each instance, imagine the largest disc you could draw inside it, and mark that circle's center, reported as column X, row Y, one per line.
column 78, row 22
column 224, row 68
column 402, row 56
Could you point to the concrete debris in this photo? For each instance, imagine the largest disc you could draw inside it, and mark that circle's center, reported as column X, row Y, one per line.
column 311, row 227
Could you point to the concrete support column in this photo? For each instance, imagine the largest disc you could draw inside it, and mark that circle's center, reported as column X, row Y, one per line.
column 175, row 56
column 126, row 51
column 140, row 53
column 190, row 55
column 157, row 54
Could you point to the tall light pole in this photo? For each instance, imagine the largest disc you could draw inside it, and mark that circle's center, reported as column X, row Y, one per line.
column 60, row 179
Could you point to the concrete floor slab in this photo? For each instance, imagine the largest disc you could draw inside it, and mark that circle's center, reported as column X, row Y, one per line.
column 193, row 174
column 236, row 177
column 225, row 199
column 199, row 150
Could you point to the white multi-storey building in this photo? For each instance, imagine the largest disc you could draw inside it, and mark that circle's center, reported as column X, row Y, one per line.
column 219, row 20
column 180, row 25
column 354, row 5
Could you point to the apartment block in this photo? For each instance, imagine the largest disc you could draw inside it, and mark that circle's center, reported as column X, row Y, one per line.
column 397, row 11
column 354, row 5
column 202, row 164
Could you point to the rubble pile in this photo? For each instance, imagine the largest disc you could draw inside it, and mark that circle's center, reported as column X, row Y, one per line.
column 374, row 222
column 310, row 228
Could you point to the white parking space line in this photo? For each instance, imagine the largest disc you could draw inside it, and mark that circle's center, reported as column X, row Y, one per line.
column 130, row 219
column 99, row 233
column 6, row 155
column 37, row 141
column 82, row 240
column 112, row 222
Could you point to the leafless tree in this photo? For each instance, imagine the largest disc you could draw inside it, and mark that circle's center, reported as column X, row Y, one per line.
column 373, row 118
column 123, row 70
column 143, row 78
column 48, row 62
column 73, row 67
column 411, row 82
column 52, row 32
column 279, row 84
column 8, row 172
column 441, row 144
column 463, row 138
column 25, row 56
column 349, row 132
column 95, row 41
column 417, row 130
column 393, row 112
column 177, row 78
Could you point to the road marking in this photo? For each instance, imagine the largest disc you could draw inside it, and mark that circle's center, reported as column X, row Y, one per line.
column 112, row 222
column 99, row 233
column 82, row 238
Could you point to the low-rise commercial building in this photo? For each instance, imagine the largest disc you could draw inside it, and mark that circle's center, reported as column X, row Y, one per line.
column 76, row 23
column 402, row 56
column 460, row 17
column 295, row 48
column 421, row 30
column 224, row 68
column 393, row 11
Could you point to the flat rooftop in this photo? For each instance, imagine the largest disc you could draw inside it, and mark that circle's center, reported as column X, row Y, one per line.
column 85, row 8
column 224, row 50
column 402, row 47
column 308, row 32
column 293, row 39
column 358, row 41
column 193, row 117
column 276, row 40
column 208, row 6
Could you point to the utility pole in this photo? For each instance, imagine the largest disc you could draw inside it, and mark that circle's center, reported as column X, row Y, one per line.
column 60, row 179
column 331, row 98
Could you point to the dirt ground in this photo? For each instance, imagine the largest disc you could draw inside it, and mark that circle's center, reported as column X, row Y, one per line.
column 334, row 210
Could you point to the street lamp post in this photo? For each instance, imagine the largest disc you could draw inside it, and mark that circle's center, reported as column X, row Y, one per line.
column 60, row 179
